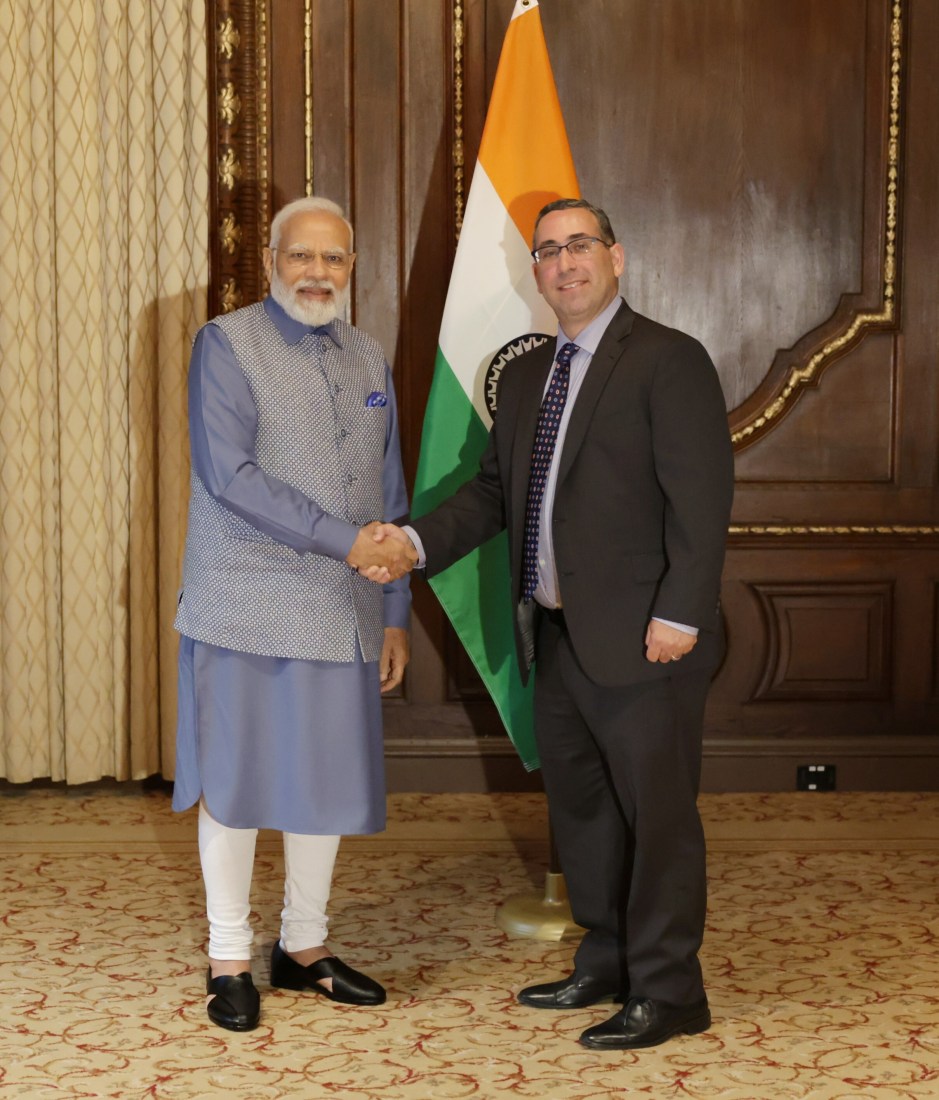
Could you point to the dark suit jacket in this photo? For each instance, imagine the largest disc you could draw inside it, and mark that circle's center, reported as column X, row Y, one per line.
column 642, row 502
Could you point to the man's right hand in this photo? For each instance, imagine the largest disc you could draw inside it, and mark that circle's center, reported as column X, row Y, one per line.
column 379, row 558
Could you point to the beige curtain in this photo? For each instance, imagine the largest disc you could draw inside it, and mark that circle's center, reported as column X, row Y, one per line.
column 103, row 270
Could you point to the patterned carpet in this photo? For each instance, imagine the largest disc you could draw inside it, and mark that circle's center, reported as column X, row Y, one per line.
column 821, row 958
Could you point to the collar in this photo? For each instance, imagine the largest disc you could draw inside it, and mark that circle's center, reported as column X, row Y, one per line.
column 588, row 339
column 293, row 331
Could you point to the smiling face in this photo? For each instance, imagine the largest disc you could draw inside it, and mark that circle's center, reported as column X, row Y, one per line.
column 312, row 293
column 577, row 288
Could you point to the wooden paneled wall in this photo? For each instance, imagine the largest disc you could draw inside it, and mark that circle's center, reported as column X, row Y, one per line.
column 771, row 169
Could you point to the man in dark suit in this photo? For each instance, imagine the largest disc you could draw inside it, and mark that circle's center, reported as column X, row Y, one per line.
column 610, row 464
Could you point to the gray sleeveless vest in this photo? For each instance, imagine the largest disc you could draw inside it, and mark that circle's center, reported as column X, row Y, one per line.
column 242, row 589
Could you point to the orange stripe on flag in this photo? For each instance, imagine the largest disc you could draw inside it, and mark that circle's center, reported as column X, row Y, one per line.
column 524, row 147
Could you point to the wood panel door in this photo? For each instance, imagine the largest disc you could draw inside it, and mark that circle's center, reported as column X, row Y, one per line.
column 771, row 169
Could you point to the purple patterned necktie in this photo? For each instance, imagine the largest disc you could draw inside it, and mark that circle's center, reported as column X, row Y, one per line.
column 546, row 434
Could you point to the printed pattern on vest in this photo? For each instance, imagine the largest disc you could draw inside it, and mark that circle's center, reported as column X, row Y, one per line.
column 242, row 589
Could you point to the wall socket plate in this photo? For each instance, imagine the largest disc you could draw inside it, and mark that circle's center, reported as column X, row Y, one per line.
column 815, row 777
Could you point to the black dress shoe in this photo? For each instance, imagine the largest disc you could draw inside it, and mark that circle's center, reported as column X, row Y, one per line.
column 349, row 986
column 236, row 1004
column 645, row 1023
column 570, row 992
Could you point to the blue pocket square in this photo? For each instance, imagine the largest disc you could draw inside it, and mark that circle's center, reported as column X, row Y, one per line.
column 376, row 399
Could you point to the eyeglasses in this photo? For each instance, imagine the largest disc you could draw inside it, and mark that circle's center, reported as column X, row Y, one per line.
column 583, row 246
column 299, row 257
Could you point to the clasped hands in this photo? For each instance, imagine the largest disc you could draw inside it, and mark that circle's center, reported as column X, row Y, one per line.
column 382, row 552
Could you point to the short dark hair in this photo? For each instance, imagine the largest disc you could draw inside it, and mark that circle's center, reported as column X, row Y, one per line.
column 578, row 204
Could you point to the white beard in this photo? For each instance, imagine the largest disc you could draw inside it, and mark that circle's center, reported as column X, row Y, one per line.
column 309, row 313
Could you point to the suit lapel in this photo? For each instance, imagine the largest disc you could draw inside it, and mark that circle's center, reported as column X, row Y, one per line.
column 605, row 358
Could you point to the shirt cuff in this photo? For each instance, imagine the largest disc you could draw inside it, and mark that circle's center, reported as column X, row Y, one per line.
column 396, row 609
column 335, row 536
column 678, row 626
column 418, row 546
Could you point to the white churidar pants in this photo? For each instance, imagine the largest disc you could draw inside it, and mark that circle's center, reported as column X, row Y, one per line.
column 227, row 857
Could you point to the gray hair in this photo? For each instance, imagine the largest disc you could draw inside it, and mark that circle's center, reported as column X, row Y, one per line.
column 310, row 204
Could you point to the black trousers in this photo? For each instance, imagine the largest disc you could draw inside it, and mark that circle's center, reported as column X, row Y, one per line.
column 621, row 768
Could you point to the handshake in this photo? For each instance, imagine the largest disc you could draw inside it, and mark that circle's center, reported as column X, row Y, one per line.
column 382, row 552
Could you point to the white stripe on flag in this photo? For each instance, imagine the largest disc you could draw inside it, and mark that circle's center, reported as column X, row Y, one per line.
column 493, row 298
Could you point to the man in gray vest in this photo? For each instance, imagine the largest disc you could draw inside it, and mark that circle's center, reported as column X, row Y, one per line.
column 286, row 648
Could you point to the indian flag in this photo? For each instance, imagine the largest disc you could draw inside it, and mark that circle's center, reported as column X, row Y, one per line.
column 493, row 313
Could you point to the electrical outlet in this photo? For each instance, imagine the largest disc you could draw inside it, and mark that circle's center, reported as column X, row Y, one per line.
column 815, row 777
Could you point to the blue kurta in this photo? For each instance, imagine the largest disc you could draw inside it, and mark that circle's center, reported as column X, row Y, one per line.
column 274, row 742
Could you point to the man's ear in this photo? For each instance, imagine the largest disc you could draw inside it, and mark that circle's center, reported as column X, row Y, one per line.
column 267, row 259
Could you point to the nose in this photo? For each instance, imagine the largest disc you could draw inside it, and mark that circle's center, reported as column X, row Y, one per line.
column 565, row 260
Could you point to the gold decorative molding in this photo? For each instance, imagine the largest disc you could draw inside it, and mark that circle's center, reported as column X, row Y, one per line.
column 459, row 32
column 227, row 38
column 308, row 92
column 229, row 105
column 801, row 376
column 264, row 213
column 229, row 169
column 231, row 297
column 780, row 530
column 238, row 88
column 229, row 233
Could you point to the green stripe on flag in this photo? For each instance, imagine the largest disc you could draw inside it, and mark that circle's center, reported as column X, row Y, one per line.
column 475, row 592
column 452, row 441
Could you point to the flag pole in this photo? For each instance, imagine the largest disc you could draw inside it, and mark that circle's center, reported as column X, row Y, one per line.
column 493, row 312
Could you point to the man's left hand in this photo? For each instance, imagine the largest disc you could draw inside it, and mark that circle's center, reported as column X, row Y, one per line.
column 666, row 643
column 395, row 654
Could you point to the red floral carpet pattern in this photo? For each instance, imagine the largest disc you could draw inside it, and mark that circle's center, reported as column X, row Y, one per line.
column 821, row 958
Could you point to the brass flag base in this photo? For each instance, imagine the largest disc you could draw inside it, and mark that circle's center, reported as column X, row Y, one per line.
column 534, row 917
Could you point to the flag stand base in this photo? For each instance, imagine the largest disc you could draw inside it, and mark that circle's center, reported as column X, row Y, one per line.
column 534, row 917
